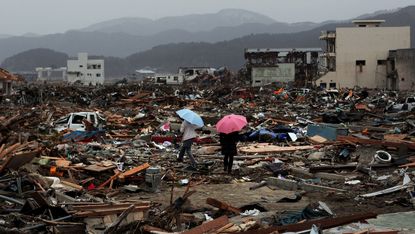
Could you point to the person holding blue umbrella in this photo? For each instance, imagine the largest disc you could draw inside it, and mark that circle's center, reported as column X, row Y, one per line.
column 191, row 122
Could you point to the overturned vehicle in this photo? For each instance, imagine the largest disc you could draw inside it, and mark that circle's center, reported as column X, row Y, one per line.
column 80, row 121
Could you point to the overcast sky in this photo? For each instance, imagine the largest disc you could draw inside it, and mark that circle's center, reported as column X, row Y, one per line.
column 52, row 16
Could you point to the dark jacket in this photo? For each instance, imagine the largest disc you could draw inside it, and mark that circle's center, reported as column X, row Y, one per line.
column 228, row 143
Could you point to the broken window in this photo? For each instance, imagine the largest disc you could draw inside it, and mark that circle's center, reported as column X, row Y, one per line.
column 361, row 63
column 98, row 74
column 176, row 78
column 77, row 119
column 332, row 85
column 323, row 85
column 92, row 118
column 63, row 120
column 382, row 62
column 189, row 73
column 81, row 66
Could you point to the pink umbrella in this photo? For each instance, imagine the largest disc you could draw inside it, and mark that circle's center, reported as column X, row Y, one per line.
column 231, row 123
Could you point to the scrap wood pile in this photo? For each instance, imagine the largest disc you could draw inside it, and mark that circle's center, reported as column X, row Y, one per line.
column 307, row 160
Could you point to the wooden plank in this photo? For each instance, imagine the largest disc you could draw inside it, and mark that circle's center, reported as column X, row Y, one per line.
column 109, row 180
column 222, row 205
column 63, row 163
column 135, row 170
column 321, row 223
column 17, row 160
column 317, row 139
column 394, row 137
column 2, row 148
column 106, row 206
column 96, row 168
column 208, row 226
column 267, row 148
column 397, row 144
column 408, row 165
column 374, row 232
column 72, row 185
column 109, row 211
column 9, row 149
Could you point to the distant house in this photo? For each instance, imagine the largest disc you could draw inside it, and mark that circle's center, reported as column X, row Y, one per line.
column 169, row 79
column 85, row 71
column 191, row 73
column 7, row 80
column 357, row 56
column 184, row 74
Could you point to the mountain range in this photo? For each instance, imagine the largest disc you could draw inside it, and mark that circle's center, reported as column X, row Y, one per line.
column 122, row 37
column 181, row 47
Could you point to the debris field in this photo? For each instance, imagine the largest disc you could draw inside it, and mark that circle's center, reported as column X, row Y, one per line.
column 105, row 160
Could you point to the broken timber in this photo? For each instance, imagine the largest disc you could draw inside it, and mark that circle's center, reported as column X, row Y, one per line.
column 209, row 226
column 397, row 144
column 222, row 205
column 321, row 223
column 267, row 148
column 294, row 185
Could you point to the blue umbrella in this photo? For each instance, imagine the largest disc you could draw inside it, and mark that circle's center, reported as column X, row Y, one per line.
column 190, row 117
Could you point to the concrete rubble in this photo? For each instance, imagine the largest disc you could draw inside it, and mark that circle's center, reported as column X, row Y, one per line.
column 309, row 161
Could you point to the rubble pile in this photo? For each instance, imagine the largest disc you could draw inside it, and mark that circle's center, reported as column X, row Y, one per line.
column 105, row 160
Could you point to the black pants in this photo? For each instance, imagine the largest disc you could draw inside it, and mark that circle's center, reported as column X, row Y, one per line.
column 228, row 162
column 187, row 148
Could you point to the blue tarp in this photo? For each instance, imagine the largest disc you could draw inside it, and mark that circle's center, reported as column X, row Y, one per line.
column 81, row 135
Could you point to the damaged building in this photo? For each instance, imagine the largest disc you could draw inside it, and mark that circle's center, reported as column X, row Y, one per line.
column 184, row 74
column 49, row 74
column 357, row 56
column 298, row 66
column 86, row 71
column 7, row 80
column 401, row 69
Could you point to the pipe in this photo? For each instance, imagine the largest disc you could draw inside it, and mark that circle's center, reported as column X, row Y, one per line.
column 11, row 200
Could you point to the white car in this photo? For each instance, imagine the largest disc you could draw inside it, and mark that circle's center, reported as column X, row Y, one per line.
column 74, row 121
column 406, row 105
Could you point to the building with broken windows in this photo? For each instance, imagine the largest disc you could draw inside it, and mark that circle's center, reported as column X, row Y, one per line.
column 184, row 74
column 85, row 71
column 401, row 69
column 357, row 56
column 298, row 66
column 48, row 74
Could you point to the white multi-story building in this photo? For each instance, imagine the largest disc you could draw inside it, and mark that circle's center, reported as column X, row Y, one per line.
column 357, row 56
column 86, row 71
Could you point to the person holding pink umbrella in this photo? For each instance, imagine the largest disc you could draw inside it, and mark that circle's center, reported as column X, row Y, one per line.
column 228, row 128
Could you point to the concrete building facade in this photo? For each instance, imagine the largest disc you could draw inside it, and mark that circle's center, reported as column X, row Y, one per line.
column 298, row 66
column 86, row 71
column 357, row 56
column 184, row 74
column 49, row 74
column 401, row 69
column 169, row 79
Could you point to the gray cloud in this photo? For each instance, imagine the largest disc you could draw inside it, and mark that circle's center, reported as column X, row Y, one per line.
column 52, row 16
